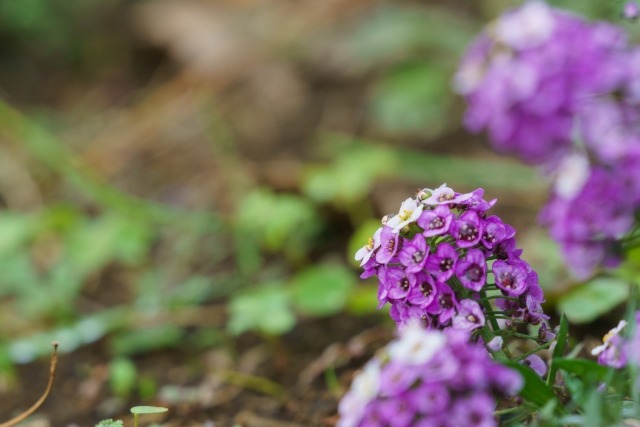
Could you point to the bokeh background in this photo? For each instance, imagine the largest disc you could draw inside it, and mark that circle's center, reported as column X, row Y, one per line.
column 183, row 184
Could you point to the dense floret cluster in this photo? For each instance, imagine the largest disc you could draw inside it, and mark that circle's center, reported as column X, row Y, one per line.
column 563, row 92
column 428, row 378
column 435, row 260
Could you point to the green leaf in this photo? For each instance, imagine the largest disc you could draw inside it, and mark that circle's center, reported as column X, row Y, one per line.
column 534, row 390
column 266, row 308
column 584, row 368
column 322, row 290
column 110, row 423
column 589, row 301
column 138, row 410
column 414, row 97
column 122, row 376
column 558, row 351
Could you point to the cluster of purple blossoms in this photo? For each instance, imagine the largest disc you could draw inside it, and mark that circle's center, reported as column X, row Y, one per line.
column 435, row 259
column 428, row 378
column 562, row 92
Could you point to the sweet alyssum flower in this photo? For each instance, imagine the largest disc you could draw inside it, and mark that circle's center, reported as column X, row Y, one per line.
column 530, row 73
column 428, row 378
column 614, row 349
column 560, row 91
column 446, row 264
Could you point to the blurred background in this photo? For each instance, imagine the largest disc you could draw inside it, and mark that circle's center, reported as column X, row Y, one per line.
column 183, row 184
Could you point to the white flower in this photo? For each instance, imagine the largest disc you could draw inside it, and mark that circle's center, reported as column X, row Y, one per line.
column 444, row 195
column 573, row 173
column 416, row 345
column 496, row 343
column 364, row 253
column 612, row 333
column 410, row 211
column 527, row 27
column 363, row 389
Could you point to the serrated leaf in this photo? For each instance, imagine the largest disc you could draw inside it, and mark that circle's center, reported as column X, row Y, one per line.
column 589, row 301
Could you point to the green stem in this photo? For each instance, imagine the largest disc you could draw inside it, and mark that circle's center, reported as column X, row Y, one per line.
column 534, row 351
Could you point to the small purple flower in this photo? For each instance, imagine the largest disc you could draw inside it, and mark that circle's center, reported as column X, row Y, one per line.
column 442, row 263
column 536, row 363
column 444, row 305
column 423, row 290
column 414, row 255
column 435, row 222
column 388, row 245
column 511, row 276
column 546, row 334
column 476, row 411
column 396, row 281
column 631, row 10
column 469, row 316
column 496, row 343
column 467, row 229
column 495, row 231
column 471, row 270
column 422, row 378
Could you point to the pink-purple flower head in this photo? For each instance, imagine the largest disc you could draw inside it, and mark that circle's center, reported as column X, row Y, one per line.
column 428, row 378
column 433, row 263
column 631, row 10
column 527, row 75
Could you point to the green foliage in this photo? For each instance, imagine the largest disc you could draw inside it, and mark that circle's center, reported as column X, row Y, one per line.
column 110, row 423
column 140, row 410
column 266, row 309
column 414, row 97
column 534, row 389
column 322, row 290
column 589, row 301
column 122, row 376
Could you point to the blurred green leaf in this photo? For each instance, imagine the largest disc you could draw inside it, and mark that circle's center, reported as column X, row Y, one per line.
column 590, row 300
column 15, row 230
column 322, row 290
column 141, row 340
column 266, row 308
column 414, row 97
column 587, row 369
column 397, row 31
column 279, row 221
column 351, row 175
column 122, row 376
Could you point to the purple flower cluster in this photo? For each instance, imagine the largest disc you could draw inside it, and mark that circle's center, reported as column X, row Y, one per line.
column 529, row 74
column 564, row 93
column 436, row 257
column 428, row 378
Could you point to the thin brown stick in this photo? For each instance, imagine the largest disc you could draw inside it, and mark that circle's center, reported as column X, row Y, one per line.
column 52, row 374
